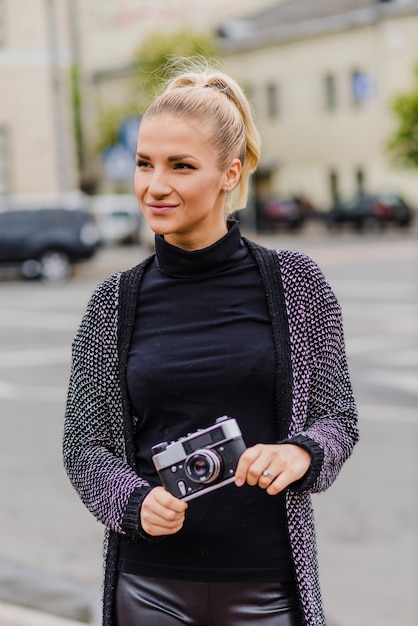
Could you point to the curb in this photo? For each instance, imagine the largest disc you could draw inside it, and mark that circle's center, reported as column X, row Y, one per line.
column 11, row 615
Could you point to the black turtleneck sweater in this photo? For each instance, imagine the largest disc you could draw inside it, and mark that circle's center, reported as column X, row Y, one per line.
column 202, row 347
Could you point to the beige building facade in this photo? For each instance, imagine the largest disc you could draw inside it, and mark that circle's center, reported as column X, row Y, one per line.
column 36, row 135
column 41, row 41
column 108, row 34
column 321, row 75
column 322, row 88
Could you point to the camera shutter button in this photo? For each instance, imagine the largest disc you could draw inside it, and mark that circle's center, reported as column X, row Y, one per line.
column 182, row 487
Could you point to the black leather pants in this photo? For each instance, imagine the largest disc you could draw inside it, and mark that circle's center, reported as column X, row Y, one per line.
column 144, row 601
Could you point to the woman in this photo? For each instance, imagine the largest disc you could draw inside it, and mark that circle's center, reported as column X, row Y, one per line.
column 210, row 325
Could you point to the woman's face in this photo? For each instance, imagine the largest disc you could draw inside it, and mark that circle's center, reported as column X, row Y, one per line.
column 179, row 184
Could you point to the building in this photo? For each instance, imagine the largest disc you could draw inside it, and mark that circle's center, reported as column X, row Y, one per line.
column 60, row 61
column 36, row 128
column 107, row 35
column 322, row 76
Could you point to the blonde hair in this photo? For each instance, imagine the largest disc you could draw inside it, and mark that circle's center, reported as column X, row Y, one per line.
column 197, row 91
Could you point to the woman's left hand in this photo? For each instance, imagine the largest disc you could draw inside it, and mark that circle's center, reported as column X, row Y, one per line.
column 272, row 466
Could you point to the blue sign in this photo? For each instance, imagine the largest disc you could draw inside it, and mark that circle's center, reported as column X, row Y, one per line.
column 119, row 164
column 128, row 133
column 362, row 87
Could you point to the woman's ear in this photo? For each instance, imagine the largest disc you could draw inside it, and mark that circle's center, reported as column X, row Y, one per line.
column 233, row 175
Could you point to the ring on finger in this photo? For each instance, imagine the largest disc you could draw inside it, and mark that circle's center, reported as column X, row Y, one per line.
column 268, row 474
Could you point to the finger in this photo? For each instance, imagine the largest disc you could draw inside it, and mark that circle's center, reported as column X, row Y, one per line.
column 167, row 500
column 158, row 522
column 161, row 512
column 277, row 485
column 246, row 460
column 266, row 477
column 157, row 529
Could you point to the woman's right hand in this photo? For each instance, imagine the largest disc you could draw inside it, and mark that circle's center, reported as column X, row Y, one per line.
column 162, row 513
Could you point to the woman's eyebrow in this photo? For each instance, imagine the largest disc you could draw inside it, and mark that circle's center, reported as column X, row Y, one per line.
column 172, row 158
column 180, row 157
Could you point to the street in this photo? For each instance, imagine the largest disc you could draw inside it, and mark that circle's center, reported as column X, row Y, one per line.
column 367, row 523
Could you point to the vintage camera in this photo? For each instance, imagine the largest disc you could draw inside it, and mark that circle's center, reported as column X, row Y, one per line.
column 202, row 461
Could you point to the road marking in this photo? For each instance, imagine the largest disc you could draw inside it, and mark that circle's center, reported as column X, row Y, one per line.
column 376, row 290
column 371, row 344
column 394, row 379
column 31, row 358
column 39, row 320
column 399, row 358
column 385, row 413
column 30, row 393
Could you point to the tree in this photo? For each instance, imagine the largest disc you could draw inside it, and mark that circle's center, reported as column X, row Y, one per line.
column 156, row 51
column 149, row 66
column 404, row 142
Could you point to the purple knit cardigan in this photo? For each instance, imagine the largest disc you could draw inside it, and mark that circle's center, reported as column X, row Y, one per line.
column 317, row 398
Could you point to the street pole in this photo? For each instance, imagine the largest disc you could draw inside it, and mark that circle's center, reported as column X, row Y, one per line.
column 57, row 97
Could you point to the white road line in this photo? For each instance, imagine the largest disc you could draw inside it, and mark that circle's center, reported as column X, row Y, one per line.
column 371, row 344
column 394, row 379
column 34, row 358
column 39, row 320
column 10, row 391
column 375, row 290
column 379, row 413
column 397, row 358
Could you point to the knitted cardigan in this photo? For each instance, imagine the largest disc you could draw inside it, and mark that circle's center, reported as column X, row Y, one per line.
column 315, row 396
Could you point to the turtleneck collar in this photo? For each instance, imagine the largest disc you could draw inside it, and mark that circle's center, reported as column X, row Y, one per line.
column 176, row 262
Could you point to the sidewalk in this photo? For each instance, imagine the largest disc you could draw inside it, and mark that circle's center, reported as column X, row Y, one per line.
column 11, row 615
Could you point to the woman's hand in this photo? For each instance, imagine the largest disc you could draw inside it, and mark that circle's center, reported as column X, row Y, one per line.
column 272, row 466
column 162, row 513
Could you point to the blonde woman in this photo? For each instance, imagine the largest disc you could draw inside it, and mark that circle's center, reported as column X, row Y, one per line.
column 211, row 325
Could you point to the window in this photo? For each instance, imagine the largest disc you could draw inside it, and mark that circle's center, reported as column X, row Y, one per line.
column 334, row 185
column 4, row 182
column 251, row 95
column 330, row 88
column 362, row 87
column 360, row 181
column 272, row 93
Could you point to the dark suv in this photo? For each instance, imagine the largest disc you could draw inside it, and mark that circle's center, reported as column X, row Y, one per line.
column 371, row 210
column 46, row 242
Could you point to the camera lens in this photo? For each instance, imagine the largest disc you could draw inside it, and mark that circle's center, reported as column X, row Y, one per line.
column 203, row 466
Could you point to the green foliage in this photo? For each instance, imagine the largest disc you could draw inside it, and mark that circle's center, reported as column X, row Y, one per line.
column 109, row 124
column 76, row 105
column 150, row 64
column 157, row 50
column 404, row 142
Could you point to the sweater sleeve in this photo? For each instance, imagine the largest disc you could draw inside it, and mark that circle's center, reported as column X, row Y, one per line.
column 324, row 411
column 93, row 442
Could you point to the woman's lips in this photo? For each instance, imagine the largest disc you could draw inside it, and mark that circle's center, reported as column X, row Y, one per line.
column 158, row 209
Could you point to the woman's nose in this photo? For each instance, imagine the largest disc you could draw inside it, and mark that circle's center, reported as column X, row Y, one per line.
column 158, row 185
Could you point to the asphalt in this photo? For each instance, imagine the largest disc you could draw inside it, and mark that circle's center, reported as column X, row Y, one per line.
column 12, row 615
column 78, row 601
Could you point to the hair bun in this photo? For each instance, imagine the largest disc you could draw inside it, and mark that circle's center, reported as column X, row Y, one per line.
column 219, row 84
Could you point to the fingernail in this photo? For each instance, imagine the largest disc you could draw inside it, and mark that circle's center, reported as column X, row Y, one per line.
column 239, row 482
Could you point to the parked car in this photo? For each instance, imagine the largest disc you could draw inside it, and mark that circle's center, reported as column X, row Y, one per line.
column 290, row 213
column 46, row 242
column 118, row 218
column 371, row 210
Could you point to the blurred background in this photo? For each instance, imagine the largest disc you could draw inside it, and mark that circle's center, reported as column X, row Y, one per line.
column 334, row 88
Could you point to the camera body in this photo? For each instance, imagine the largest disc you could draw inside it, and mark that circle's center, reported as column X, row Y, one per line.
column 200, row 462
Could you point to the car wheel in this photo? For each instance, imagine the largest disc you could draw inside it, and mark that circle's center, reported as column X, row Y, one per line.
column 55, row 265
column 374, row 224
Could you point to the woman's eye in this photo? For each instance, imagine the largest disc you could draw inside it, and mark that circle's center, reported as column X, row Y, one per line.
column 184, row 166
column 142, row 164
